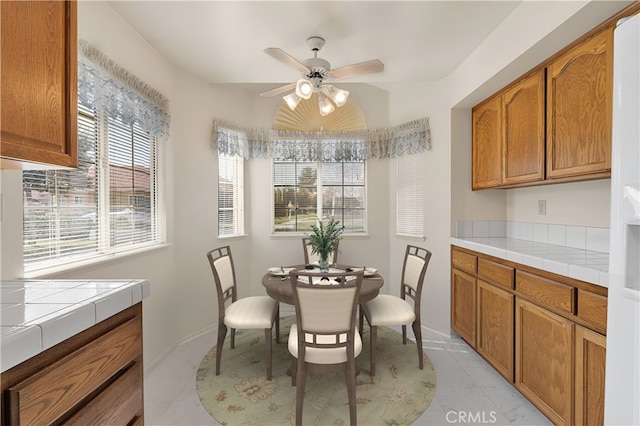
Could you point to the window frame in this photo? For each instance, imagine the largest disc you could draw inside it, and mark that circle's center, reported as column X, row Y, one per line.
column 319, row 207
column 105, row 249
column 238, row 209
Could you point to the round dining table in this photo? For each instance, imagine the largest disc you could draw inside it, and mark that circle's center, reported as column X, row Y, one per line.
column 279, row 288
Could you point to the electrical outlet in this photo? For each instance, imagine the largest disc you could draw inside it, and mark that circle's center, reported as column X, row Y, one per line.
column 542, row 207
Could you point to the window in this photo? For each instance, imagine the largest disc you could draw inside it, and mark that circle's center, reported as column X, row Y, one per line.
column 109, row 204
column 230, row 195
column 305, row 190
column 409, row 196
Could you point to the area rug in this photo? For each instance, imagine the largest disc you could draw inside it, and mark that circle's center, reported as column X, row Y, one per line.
column 241, row 395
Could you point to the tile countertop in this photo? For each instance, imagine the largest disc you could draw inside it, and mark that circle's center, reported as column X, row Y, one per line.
column 584, row 265
column 38, row 314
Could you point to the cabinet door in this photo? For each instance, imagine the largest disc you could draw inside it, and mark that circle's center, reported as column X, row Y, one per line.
column 463, row 305
column 495, row 328
column 39, row 82
column 523, row 146
column 544, row 361
column 579, row 109
column 486, row 144
column 590, row 372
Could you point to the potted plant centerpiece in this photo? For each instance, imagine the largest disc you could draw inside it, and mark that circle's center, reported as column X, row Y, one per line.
column 323, row 240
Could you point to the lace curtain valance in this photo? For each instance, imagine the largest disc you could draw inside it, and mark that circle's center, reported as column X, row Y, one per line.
column 408, row 138
column 105, row 86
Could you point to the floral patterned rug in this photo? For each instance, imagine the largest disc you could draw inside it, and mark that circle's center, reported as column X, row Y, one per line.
column 241, row 394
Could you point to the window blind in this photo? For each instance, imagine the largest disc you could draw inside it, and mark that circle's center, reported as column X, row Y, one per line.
column 409, row 196
column 230, row 195
column 108, row 204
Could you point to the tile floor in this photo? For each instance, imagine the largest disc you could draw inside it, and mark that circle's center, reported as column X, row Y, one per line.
column 468, row 390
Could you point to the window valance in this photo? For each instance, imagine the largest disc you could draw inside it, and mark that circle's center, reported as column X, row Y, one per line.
column 105, row 86
column 409, row 138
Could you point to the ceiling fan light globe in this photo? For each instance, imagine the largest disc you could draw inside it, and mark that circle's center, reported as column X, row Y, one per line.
column 338, row 96
column 326, row 107
column 304, row 88
column 292, row 100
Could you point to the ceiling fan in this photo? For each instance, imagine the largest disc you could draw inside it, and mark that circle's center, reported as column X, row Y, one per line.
column 314, row 71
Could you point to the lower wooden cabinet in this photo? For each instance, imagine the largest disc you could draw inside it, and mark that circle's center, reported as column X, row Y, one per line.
column 544, row 359
column 494, row 340
column 589, row 377
column 543, row 332
column 463, row 305
column 94, row 377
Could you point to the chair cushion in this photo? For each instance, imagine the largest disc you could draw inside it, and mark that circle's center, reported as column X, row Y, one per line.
column 250, row 312
column 389, row 310
column 321, row 355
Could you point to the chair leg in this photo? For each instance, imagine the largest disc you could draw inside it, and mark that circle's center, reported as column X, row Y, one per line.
column 417, row 331
column 350, row 376
column 233, row 338
column 294, row 369
column 268, row 349
column 361, row 324
column 222, row 333
column 404, row 334
column 301, row 377
column 373, row 335
column 278, row 323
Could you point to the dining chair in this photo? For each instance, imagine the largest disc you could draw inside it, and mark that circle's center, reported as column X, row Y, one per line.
column 324, row 338
column 385, row 309
column 246, row 313
column 310, row 257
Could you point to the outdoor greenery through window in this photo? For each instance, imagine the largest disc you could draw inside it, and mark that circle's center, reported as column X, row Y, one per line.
column 306, row 190
column 108, row 204
column 230, row 195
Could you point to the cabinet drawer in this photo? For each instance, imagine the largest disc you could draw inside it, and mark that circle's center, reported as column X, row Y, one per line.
column 592, row 307
column 466, row 262
column 118, row 404
column 45, row 396
column 496, row 273
column 548, row 292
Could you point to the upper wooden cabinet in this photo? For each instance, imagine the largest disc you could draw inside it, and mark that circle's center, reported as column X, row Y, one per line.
column 523, row 146
column 550, row 126
column 38, row 93
column 509, row 136
column 487, row 144
column 579, row 113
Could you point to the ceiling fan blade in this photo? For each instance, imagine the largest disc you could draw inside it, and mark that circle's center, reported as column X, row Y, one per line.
column 278, row 90
column 286, row 59
column 367, row 67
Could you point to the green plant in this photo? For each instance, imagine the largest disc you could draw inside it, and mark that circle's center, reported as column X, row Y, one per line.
column 324, row 237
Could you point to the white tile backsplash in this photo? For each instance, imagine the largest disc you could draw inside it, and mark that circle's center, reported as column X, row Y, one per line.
column 598, row 239
column 480, row 229
column 464, row 228
column 576, row 237
column 557, row 235
column 497, row 229
column 526, row 231
column 541, row 233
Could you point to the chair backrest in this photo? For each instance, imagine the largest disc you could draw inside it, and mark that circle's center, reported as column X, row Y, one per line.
column 325, row 306
column 311, row 258
column 416, row 260
column 224, row 276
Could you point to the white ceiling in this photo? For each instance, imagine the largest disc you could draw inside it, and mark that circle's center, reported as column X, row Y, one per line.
column 223, row 41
